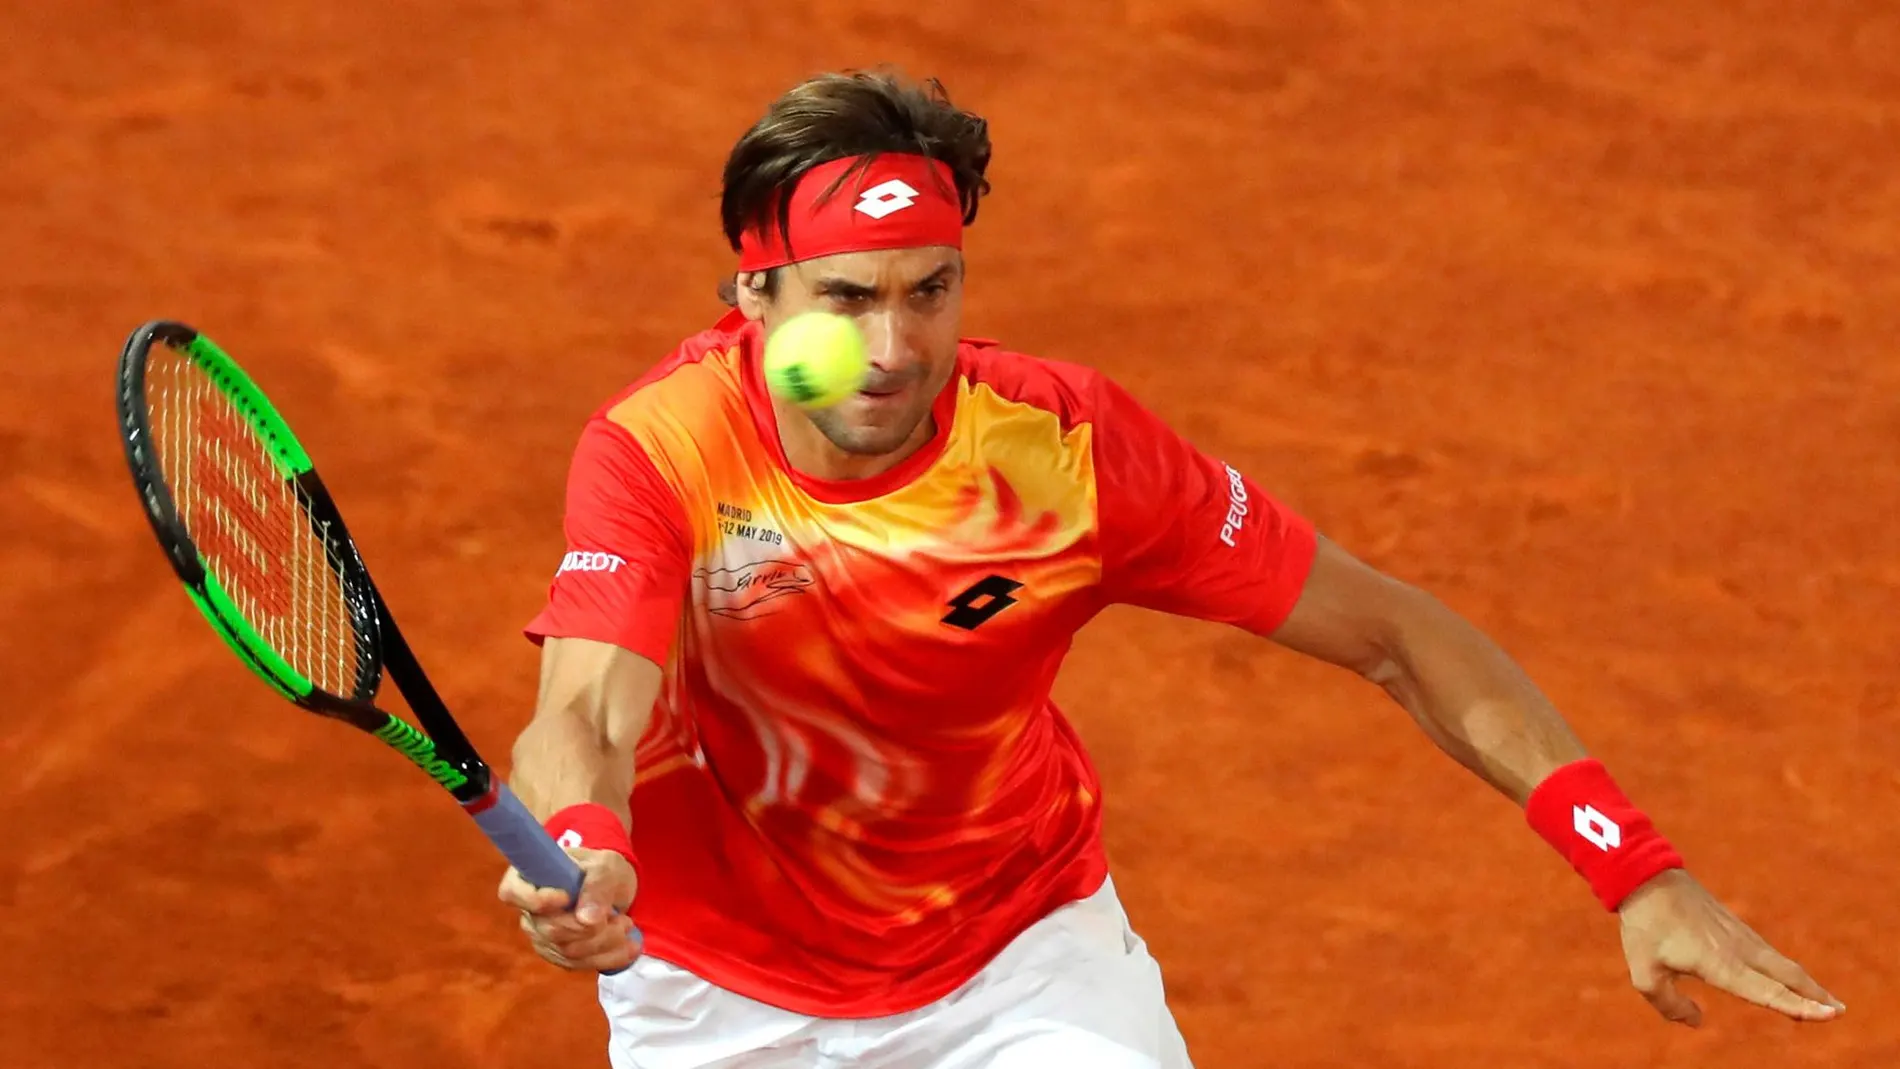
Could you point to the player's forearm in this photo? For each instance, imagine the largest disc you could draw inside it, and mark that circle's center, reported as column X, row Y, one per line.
column 594, row 706
column 560, row 759
column 1473, row 700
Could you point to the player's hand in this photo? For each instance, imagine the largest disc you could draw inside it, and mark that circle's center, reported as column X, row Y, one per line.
column 597, row 934
column 1672, row 927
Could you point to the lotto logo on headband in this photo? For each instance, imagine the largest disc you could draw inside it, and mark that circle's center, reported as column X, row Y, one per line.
column 860, row 204
column 892, row 196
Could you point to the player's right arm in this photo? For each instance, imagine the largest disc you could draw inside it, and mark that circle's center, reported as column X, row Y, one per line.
column 612, row 611
column 596, row 699
column 578, row 750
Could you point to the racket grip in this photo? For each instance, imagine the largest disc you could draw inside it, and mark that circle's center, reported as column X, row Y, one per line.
column 528, row 846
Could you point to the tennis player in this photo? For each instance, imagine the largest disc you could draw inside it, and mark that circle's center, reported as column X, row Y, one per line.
column 795, row 719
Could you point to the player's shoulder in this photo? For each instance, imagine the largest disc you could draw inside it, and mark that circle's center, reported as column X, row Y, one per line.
column 702, row 377
column 1073, row 392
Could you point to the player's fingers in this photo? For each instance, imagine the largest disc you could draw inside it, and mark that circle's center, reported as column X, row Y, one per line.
column 607, row 886
column 541, row 901
column 594, row 906
column 1769, row 961
column 565, row 928
column 521, row 894
column 567, row 925
column 619, row 953
column 621, row 956
column 1737, row 978
column 1658, row 985
column 609, row 951
column 598, row 905
column 545, row 902
column 583, row 947
column 547, row 950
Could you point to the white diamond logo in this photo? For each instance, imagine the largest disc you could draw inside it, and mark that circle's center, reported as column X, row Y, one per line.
column 1600, row 831
column 886, row 197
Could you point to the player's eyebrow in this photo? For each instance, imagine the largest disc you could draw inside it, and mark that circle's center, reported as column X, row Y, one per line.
column 843, row 287
column 850, row 290
column 931, row 279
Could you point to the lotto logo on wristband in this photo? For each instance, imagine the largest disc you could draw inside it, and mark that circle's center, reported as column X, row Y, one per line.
column 570, row 839
column 1628, row 849
column 1598, row 830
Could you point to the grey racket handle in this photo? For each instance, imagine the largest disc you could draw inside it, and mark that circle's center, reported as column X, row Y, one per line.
column 529, row 848
column 527, row 845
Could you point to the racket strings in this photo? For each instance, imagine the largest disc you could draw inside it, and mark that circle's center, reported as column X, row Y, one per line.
column 349, row 607
column 252, row 524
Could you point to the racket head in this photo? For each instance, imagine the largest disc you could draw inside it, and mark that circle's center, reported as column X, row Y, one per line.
column 246, row 523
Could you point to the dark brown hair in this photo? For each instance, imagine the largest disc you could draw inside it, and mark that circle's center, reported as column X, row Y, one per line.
column 849, row 113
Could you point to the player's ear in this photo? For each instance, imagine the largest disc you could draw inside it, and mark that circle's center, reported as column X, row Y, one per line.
column 752, row 294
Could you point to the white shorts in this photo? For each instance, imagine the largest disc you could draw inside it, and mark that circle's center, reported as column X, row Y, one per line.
column 1077, row 988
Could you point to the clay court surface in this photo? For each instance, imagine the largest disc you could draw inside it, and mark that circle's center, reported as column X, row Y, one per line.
column 1585, row 316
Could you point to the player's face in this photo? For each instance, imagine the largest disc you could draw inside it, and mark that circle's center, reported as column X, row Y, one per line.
column 909, row 304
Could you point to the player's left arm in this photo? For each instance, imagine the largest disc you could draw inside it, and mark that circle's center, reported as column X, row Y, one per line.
column 1185, row 534
column 1480, row 707
column 1470, row 698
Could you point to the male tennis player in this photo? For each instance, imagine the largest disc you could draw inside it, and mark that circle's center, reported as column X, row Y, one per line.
column 797, row 666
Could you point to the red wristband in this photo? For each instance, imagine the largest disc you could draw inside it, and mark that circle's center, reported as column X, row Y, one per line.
column 1612, row 845
column 592, row 826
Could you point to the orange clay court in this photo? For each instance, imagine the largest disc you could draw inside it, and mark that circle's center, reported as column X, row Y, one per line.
column 1582, row 315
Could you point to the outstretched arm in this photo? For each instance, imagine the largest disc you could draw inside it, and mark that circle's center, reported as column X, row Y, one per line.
column 1464, row 691
column 1184, row 533
column 611, row 613
column 595, row 701
column 1479, row 707
column 574, row 768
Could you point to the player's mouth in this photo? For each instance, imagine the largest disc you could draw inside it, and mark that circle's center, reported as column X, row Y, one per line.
column 883, row 391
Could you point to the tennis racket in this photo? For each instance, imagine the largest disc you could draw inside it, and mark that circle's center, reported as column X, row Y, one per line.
column 250, row 530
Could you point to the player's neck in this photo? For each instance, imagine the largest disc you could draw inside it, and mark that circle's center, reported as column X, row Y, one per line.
column 812, row 454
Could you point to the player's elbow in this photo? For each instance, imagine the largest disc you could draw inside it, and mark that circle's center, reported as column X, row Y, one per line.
column 1418, row 638
column 1394, row 629
column 1353, row 616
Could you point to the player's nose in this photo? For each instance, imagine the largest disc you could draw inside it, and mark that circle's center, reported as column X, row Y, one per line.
column 885, row 345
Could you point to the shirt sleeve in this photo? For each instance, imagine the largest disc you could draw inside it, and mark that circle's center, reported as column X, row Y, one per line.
column 624, row 577
column 1186, row 534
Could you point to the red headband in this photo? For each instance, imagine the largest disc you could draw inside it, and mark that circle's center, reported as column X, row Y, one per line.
column 895, row 202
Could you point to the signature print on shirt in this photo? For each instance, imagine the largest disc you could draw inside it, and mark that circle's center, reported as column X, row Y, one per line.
column 750, row 591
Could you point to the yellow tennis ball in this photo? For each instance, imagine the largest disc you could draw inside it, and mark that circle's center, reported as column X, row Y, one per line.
column 816, row 359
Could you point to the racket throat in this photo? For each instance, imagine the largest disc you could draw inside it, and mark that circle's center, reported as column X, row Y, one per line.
column 420, row 750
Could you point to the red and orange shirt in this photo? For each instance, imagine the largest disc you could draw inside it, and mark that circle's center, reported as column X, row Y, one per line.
column 855, row 790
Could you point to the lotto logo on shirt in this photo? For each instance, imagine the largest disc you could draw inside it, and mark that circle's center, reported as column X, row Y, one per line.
column 1236, row 505
column 590, row 562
